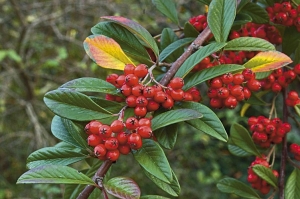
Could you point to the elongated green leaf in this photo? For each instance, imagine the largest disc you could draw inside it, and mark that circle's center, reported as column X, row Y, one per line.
column 54, row 155
column 123, row 187
column 76, row 131
column 59, row 130
column 242, row 4
column 209, row 73
column 292, row 188
column 205, row 2
column 174, row 116
column 262, row 75
column 54, row 174
column 209, row 123
column 198, row 56
column 172, row 188
column 152, row 158
column 231, row 185
column 237, row 151
column 290, row 40
column 257, row 13
column 241, row 138
column 266, row 174
column 89, row 84
column 189, row 30
column 136, row 29
column 168, row 8
column 110, row 106
column 256, row 100
column 249, row 44
column 241, row 19
column 173, row 47
column 167, row 136
column 128, row 42
column 74, row 106
column 221, row 14
column 297, row 109
column 167, row 37
column 297, row 55
column 153, row 197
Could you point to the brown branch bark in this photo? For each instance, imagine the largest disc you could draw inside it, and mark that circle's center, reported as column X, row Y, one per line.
column 99, row 175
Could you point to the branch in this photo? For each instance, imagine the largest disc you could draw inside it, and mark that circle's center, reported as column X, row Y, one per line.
column 98, row 175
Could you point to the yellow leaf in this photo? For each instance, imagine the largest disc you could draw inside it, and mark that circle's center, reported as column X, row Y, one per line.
column 267, row 61
column 106, row 52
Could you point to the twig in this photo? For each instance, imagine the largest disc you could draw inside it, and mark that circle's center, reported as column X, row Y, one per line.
column 98, row 175
column 293, row 163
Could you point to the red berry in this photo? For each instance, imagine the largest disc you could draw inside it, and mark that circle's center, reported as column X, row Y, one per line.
column 248, row 74
column 120, row 81
column 92, row 127
column 145, row 131
column 169, row 103
column 140, row 111
column 141, row 71
column 216, row 103
column 297, row 69
column 124, row 149
column 160, row 97
column 233, row 35
column 176, row 83
column 223, row 92
column 105, row 131
column 113, row 155
column 149, row 91
column 93, row 140
column 286, row 6
column 135, row 141
column 227, row 78
column 276, row 88
column 177, row 95
column 117, row 126
column 253, row 85
column 131, row 80
column 145, row 122
column 112, row 78
column 137, row 90
column 293, row 95
column 129, row 69
column 152, row 105
column 216, row 83
column 230, row 102
column 238, row 79
column 131, row 123
column 131, row 101
column 122, row 137
column 187, row 96
column 236, row 90
column 111, row 143
column 125, row 90
column 247, row 93
column 141, row 101
column 100, row 150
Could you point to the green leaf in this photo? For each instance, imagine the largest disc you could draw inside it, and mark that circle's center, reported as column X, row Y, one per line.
column 168, row 8
column 297, row 55
column 209, row 73
column 89, row 84
column 290, row 40
column 198, row 56
column 266, row 174
column 205, row 2
column 189, row 30
column 74, row 106
column 123, row 187
column 60, row 131
column 167, row 37
column 297, row 109
column 241, row 19
column 262, row 75
column 249, row 44
column 153, row 197
column 76, row 131
column 174, row 116
column 128, row 42
column 173, row 47
column 256, row 100
column 167, row 136
column 292, row 188
column 137, row 30
column 257, row 13
column 221, row 14
column 241, row 138
column 110, row 106
column 172, row 188
column 242, row 4
column 209, row 124
column 231, row 185
column 54, row 174
column 152, row 158
column 237, row 151
column 54, row 156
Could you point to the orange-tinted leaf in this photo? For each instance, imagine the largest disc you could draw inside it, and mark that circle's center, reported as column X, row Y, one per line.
column 267, row 61
column 106, row 52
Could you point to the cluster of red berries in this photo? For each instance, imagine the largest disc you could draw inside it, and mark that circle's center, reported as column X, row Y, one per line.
column 292, row 98
column 278, row 79
column 283, row 13
column 228, row 89
column 295, row 149
column 199, row 22
column 267, row 131
column 109, row 141
column 255, row 181
column 145, row 99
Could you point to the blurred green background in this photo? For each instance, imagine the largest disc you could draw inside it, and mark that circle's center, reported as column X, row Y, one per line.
column 41, row 48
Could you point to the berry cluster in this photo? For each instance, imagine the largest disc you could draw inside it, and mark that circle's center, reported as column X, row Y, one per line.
column 255, row 181
column 228, row 89
column 295, row 149
column 266, row 132
column 283, row 13
column 144, row 98
column 109, row 141
column 278, row 80
column 292, row 98
column 199, row 22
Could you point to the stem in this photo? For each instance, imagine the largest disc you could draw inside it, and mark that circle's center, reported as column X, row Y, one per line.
column 98, row 175
column 284, row 151
column 293, row 163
